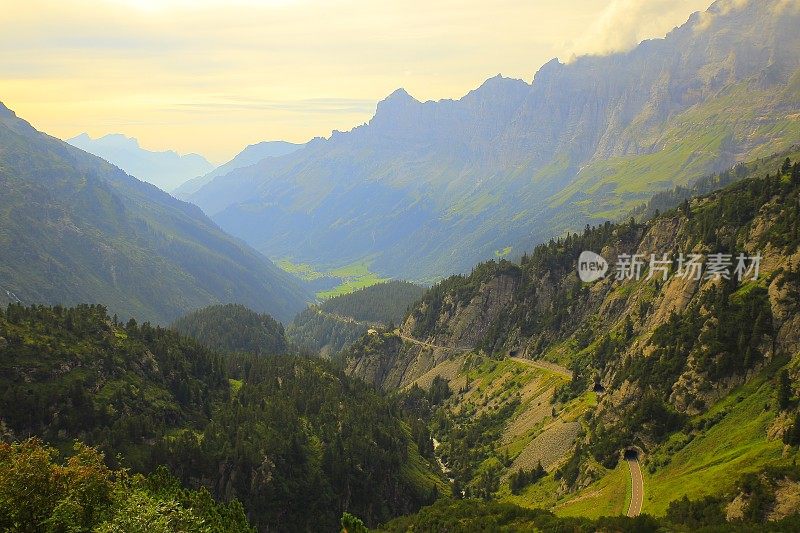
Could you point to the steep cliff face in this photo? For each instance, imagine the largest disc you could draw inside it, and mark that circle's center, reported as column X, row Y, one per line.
column 464, row 323
column 395, row 359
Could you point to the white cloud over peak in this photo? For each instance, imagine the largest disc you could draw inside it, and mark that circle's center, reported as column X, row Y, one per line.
column 625, row 23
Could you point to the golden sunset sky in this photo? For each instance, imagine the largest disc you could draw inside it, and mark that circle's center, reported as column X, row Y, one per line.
column 211, row 76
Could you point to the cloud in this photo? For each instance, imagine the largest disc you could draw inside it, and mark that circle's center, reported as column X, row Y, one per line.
column 725, row 7
column 625, row 23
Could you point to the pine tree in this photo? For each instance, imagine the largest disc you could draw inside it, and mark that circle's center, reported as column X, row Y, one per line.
column 792, row 436
column 686, row 209
column 784, row 390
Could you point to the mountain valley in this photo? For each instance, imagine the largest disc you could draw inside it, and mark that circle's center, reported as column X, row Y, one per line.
column 427, row 189
column 564, row 305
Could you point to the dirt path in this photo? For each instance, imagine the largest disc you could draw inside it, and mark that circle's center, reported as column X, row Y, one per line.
column 637, row 487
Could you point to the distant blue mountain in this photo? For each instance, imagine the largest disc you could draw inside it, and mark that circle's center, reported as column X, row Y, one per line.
column 166, row 170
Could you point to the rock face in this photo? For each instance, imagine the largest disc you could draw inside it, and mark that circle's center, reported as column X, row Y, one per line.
column 389, row 362
column 464, row 325
column 426, row 189
column 784, row 296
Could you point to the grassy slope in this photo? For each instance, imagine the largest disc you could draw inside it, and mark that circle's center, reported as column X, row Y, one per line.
column 707, row 464
column 686, row 148
column 349, row 278
column 712, row 462
column 492, row 384
column 609, row 496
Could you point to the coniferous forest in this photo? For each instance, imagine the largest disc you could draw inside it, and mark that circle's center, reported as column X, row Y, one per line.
column 146, row 396
column 233, row 328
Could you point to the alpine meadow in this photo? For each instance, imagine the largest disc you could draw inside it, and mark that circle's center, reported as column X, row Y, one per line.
column 248, row 291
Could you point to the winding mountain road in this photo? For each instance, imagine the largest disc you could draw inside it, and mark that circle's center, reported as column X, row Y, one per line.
column 541, row 365
column 424, row 344
column 637, row 481
column 637, row 486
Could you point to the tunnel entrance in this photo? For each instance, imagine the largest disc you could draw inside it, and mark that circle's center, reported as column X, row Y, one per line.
column 598, row 387
column 631, row 454
column 513, row 353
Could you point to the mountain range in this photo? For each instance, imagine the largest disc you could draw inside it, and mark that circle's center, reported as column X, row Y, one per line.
column 428, row 188
column 166, row 170
column 514, row 395
column 76, row 229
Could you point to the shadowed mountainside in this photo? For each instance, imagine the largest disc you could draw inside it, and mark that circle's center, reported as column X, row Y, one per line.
column 76, row 229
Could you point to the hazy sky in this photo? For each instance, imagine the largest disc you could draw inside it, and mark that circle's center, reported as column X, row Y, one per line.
column 212, row 76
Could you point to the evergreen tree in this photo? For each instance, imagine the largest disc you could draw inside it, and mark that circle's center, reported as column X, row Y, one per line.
column 792, row 435
column 784, row 390
column 787, row 164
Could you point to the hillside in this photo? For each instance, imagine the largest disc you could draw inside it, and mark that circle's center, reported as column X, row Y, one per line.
column 337, row 322
column 381, row 303
column 166, row 170
column 233, row 328
column 266, row 431
column 249, row 156
column 75, row 229
column 476, row 515
column 699, row 376
column 74, row 373
column 426, row 189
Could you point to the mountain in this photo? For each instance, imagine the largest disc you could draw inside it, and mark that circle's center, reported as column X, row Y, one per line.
column 334, row 324
column 693, row 379
column 75, row 229
column 166, row 170
column 233, row 328
column 249, row 156
column 429, row 188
